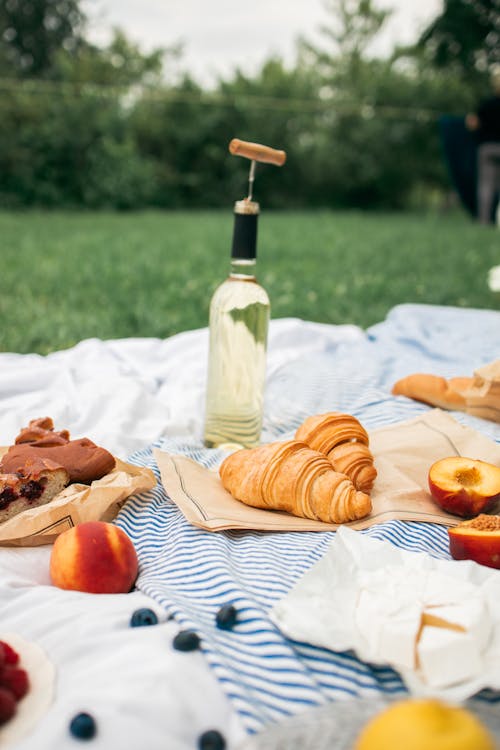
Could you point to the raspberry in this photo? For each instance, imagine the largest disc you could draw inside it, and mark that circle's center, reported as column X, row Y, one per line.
column 15, row 680
column 7, row 705
column 11, row 656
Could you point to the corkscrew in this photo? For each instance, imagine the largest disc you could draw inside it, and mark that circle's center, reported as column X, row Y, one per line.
column 257, row 153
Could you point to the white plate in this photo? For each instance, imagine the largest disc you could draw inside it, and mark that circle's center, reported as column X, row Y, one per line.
column 41, row 674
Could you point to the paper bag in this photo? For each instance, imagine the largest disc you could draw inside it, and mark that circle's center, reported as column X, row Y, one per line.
column 99, row 501
column 403, row 455
column 483, row 398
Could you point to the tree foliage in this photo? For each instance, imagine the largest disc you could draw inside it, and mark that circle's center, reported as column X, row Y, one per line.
column 111, row 126
column 33, row 31
column 466, row 35
column 120, row 64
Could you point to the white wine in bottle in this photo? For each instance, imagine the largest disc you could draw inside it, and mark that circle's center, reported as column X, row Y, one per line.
column 238, row 324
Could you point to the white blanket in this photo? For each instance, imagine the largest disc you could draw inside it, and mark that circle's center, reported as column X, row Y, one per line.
column 126, row 394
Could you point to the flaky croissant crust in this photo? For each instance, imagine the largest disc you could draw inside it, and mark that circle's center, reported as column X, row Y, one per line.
column 289, row 476
column 344, row 441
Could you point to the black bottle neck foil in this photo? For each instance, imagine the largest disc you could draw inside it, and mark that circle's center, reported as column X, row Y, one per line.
column 244, row 245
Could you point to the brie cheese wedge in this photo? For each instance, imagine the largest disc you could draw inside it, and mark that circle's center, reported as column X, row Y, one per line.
column 432, row 624
column 447, row 657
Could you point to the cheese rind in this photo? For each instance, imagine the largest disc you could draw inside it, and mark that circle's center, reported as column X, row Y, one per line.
column 430, row 623
column 471, row 616
column 447, row 657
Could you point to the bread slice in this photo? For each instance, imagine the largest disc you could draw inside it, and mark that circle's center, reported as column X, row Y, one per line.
column 35, row 484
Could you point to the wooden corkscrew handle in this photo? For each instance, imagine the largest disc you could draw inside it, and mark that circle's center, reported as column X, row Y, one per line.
column 257, row 152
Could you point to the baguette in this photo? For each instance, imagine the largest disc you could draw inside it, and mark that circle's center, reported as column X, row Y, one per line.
column 435, row 390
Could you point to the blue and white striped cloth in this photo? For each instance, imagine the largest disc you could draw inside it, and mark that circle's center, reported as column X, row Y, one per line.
column 192, row 573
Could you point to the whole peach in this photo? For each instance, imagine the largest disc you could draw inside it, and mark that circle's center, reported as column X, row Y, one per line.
column 95, row 557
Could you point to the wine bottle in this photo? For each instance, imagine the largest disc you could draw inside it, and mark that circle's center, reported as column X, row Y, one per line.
column 238, row 327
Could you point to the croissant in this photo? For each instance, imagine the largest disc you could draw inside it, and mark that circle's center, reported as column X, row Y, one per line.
column 291, row 477
column 344, row 441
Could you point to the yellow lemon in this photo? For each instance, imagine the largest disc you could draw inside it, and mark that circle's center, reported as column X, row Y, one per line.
column 424, row 724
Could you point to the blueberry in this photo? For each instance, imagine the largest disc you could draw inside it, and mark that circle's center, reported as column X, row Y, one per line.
column 142, row 617
column 211, row 740
column 186, row 640
column 83, row 726
column 226, row 617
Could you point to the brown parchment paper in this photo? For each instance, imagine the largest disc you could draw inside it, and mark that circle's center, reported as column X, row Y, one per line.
column 99, row 501
column 403, row 455
column 483, row 398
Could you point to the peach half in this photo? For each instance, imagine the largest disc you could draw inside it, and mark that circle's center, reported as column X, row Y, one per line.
column 478, row 540
column 95, row 557
column 464, row 486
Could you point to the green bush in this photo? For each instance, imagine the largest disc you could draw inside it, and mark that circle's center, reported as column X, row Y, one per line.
column 70, row 150
column 103, row 129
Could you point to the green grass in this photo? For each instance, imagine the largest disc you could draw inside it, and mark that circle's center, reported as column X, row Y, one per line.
column 70, row 276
